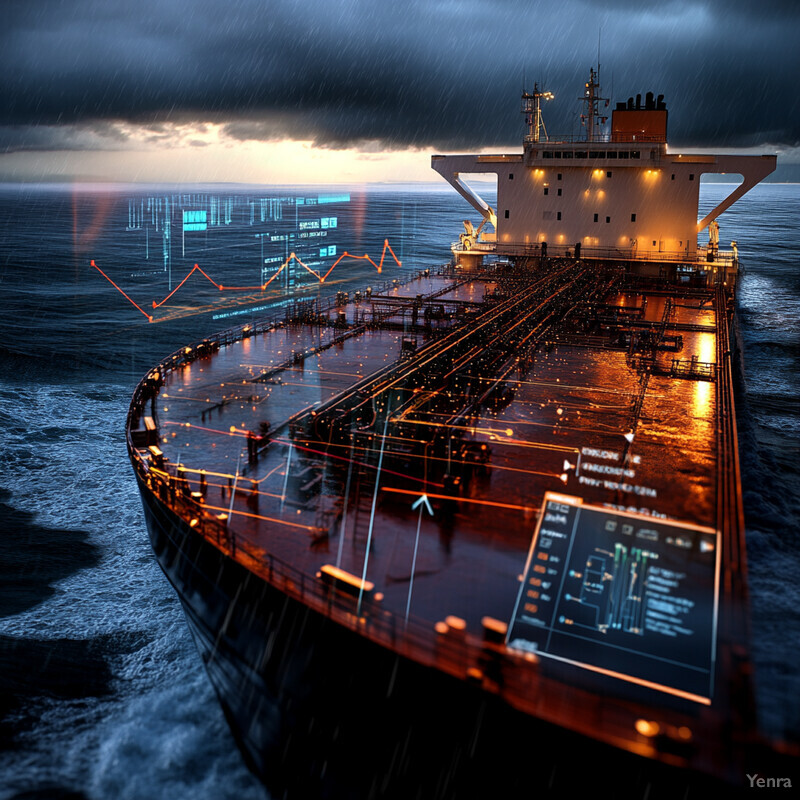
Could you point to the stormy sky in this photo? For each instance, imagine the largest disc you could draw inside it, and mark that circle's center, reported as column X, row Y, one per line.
column 370, row 78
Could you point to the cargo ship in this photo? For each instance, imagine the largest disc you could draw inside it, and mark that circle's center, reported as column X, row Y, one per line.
column 480, row 531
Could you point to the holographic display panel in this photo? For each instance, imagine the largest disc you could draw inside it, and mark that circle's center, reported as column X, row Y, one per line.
column 195, row 220
column 622, row 594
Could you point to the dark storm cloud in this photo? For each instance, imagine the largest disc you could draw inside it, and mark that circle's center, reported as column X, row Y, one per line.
column 425, row 74
column 96, row 134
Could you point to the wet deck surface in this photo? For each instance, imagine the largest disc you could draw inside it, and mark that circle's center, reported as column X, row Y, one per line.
column 560, row 425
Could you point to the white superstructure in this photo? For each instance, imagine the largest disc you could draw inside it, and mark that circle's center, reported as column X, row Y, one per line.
column 620, row 194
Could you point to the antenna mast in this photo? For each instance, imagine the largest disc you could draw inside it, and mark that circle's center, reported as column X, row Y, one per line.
column 591, row 115
column 532, row 108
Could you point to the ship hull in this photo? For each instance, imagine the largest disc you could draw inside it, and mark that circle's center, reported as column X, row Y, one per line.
column 321, row 711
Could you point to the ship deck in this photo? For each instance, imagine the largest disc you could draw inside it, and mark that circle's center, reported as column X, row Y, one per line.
column 428, row 481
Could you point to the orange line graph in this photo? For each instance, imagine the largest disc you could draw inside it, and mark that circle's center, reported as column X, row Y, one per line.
column 149, row 317
column 260, row 287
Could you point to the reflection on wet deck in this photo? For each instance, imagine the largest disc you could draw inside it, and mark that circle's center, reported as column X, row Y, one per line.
column 587, row 412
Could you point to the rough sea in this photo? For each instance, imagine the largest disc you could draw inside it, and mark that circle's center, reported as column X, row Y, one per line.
column 102, row 694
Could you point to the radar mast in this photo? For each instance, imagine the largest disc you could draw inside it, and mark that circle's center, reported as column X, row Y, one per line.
column 532, row 108
column 591, row 117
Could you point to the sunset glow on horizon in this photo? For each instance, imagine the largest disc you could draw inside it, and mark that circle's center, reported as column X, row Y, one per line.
column 202, row 153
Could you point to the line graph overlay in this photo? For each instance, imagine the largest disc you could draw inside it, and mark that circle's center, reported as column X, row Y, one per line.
column 260, row 287
column 122, row 292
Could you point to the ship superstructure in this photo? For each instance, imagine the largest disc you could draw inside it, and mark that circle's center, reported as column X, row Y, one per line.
column 615, row 195
column 489, row 515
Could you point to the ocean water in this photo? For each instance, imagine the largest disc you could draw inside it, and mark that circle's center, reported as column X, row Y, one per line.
column 102, row 694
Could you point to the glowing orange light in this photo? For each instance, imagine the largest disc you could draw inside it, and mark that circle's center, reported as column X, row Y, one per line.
column 647, row 728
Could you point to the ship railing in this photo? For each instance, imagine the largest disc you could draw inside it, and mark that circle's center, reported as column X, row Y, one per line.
column 701, row 259
column 444, row 644
column 424, row 642
column 730, row 511
column 606, row 138
column 478, row 247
